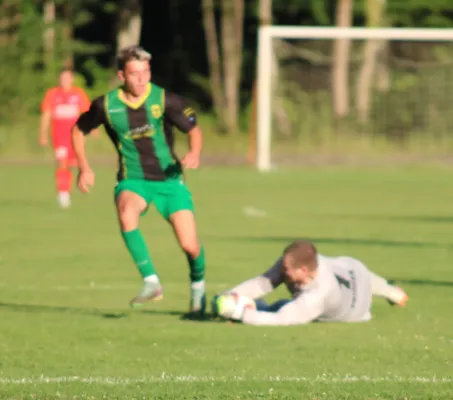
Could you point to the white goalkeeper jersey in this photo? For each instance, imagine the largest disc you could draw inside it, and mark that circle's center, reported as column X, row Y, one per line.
column 341, row 291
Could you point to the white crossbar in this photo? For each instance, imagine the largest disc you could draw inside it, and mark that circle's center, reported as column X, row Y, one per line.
column 267, row 33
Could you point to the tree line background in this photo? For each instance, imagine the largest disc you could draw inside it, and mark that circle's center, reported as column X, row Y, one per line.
column 202, row 49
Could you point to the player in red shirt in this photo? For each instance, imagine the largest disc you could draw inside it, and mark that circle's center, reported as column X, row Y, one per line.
column 60, row 109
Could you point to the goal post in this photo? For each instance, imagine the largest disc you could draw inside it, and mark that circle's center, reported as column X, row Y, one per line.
column 266, row 60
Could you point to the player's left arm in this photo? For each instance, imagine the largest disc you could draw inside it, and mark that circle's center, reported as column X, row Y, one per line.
column 300, row 311
column 181, row 115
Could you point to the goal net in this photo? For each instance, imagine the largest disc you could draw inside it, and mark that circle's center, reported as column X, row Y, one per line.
column 349, row 90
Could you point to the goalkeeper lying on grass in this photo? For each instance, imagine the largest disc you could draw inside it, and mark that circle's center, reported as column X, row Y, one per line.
column 322, row 289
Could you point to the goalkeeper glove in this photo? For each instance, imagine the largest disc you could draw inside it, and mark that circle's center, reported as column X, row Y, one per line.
column 232, row 306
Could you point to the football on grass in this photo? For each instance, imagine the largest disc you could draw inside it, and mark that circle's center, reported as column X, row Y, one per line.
column 233, row 300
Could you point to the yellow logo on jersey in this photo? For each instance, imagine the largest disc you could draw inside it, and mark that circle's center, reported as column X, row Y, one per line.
column 141, row 132
column 156, row 111
column 189, row 111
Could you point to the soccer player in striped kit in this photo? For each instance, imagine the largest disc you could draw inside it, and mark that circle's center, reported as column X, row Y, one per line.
column 139, row 118
column 322, row 289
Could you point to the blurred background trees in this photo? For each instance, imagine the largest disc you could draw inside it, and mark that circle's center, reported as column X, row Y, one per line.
column 203, row 49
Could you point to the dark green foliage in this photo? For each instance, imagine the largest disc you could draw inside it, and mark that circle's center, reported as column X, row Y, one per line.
column 25, row 71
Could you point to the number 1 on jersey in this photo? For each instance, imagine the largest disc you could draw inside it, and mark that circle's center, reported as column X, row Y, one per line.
column 343, row 282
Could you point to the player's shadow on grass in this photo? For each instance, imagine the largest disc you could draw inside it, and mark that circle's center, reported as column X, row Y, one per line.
column 442, row 219
column 324, row 240
column 183, row 316
column 39, row 308
column 421, row 282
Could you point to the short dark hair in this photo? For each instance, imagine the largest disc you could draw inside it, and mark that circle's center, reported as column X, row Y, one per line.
column 302, row 253
column 131, row 53
column 66, row 69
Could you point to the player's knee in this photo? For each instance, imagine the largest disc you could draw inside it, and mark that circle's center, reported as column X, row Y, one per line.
column 128, row 217
column 190, row 246
column 62, row 164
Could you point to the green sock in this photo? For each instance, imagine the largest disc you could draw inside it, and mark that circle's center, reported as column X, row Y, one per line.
column 197, row 266
column 137, row 248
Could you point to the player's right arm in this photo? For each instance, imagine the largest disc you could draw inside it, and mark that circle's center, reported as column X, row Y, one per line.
column 85, row 104
column 87, row 122
column 46, row 116
column 261, row 285
column 302, row 310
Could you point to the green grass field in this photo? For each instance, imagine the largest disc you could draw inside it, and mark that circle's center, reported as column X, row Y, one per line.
column 66, row 331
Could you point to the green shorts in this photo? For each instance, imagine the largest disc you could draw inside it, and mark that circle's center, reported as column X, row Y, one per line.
column 168, row 196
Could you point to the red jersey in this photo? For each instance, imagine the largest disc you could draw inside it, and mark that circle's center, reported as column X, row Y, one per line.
column 65, row 108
